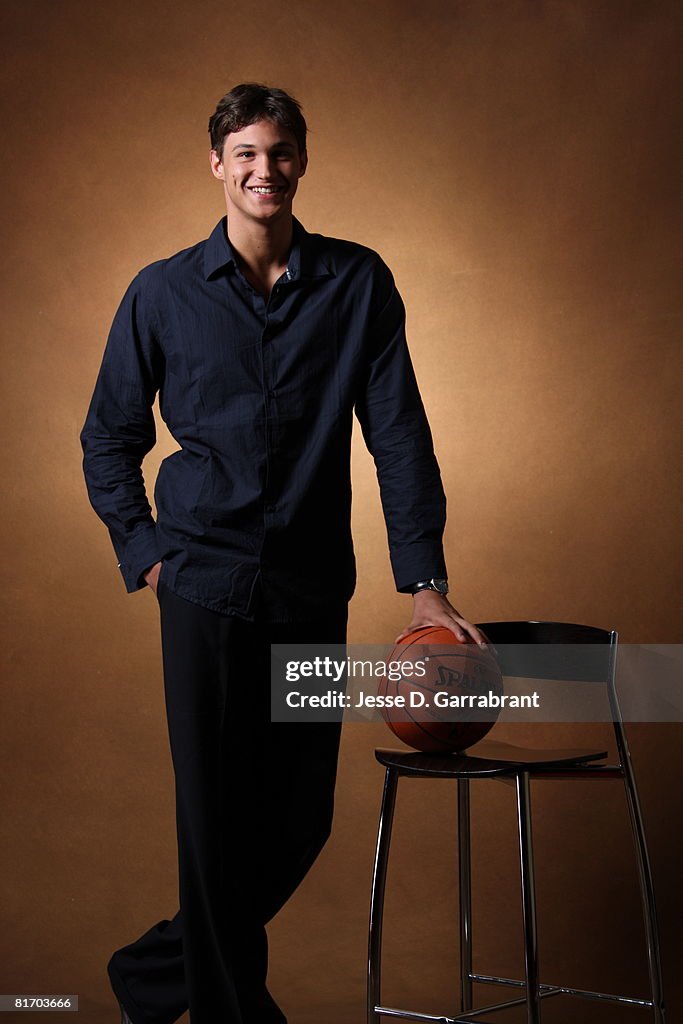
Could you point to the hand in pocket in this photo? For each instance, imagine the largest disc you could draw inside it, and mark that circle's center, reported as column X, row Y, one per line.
column 151, row 577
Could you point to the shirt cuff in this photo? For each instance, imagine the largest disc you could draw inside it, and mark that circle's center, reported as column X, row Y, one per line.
column 141, row 552
column 422, row 562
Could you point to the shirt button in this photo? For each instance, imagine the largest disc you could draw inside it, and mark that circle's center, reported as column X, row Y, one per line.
column 271, row 394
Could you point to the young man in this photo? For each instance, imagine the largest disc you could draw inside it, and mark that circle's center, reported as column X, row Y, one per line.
column 261, row 342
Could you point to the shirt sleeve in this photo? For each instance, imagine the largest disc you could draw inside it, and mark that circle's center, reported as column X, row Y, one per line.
column 396, row 431
column 119, row 431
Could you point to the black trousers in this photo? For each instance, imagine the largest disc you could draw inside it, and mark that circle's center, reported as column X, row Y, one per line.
column 254, row 803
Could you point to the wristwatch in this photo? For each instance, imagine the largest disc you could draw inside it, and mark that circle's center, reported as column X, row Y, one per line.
column 440, row 586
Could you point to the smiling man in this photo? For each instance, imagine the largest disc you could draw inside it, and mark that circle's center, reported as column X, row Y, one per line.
column 261, row 343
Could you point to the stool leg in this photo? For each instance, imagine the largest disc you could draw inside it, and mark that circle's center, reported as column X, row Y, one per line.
column 526, row 860
column 465, row 892
column 643, row 858
column 646, row 888
column 379, row 878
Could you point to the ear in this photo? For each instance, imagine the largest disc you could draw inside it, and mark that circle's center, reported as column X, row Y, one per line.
column 217, row 168
column 303, row 157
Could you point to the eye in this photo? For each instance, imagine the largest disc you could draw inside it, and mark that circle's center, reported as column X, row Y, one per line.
column 246, row 153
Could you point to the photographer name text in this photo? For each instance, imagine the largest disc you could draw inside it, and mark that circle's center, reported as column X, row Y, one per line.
column 414, row 699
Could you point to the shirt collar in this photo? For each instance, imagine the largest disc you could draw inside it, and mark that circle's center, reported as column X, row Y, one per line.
column 306, row 260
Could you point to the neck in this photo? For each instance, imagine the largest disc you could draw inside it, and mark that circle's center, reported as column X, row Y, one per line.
column 264, row 248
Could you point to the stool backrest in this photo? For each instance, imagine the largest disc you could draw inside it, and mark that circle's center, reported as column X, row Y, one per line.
column 527, row 651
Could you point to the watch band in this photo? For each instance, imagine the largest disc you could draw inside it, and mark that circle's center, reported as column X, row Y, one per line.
column 439, row 585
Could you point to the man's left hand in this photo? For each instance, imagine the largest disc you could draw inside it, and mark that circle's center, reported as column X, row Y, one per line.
column 433, row 609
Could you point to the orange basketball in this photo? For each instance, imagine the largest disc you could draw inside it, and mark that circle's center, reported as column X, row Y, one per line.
column 455, row 673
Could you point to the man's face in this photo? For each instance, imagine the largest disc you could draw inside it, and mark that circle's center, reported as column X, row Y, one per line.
column 260, row 170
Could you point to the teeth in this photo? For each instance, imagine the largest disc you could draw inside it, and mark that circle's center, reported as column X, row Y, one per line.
column 264, row 191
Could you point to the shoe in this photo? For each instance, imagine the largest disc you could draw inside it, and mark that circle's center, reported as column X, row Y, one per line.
column 125, row 1019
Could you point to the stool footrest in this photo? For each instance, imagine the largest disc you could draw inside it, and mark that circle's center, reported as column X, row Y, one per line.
column 492, row 979
column 464, row 1017
column 472, row 1016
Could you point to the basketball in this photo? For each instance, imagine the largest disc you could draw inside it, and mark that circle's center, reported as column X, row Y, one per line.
column 462, row 674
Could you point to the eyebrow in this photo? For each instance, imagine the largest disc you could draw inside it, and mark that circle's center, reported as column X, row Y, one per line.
column 250, row 145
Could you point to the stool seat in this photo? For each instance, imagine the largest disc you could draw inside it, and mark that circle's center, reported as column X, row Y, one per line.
column 486, row 758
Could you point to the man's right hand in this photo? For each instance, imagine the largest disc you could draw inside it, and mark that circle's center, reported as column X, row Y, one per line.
column 151, row 577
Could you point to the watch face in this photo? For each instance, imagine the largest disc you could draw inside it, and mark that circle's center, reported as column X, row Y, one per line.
column 441, row 586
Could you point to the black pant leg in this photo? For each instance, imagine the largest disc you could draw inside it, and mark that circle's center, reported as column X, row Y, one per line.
column 188, row 962
column 254, row 807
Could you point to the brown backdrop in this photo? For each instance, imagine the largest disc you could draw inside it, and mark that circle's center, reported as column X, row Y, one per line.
column 513, row 163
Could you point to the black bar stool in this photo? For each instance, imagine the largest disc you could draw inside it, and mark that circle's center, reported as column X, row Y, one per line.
column 489, row 759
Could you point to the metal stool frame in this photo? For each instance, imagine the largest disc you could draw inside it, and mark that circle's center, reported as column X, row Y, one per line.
column 486, row 760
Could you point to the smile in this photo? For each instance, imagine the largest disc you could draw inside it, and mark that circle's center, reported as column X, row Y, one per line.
column 265, row 190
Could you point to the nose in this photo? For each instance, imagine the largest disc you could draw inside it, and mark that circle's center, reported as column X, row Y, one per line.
column 264, row 167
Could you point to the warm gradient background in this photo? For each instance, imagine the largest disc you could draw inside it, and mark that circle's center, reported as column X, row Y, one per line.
column 513, row 163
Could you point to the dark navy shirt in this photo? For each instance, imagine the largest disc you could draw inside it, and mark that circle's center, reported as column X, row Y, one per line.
column 254, row 509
